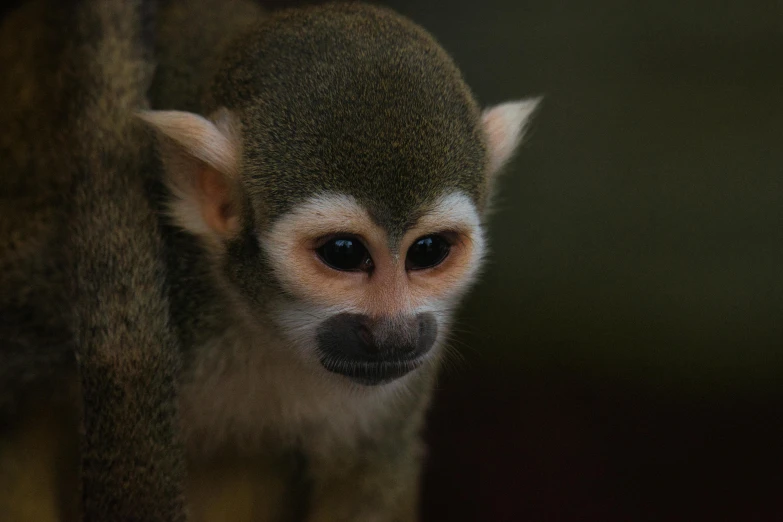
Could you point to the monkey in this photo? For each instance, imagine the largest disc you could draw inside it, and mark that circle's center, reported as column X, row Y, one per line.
column 333, row 181
column 325, row 174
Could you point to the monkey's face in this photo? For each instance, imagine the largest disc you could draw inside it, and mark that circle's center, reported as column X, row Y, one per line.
column 340, row 184
column 358, row 263
column 369, row 304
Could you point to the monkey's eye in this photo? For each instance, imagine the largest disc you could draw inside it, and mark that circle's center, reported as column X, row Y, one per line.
column 345, row 253
column 427, row 252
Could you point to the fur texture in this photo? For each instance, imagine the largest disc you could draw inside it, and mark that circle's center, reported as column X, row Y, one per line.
column 105, row 302
column 344, row 118
column 273, row 131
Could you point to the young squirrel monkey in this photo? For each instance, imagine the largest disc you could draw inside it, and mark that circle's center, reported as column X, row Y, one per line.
column 333, row 181
column 327, row 174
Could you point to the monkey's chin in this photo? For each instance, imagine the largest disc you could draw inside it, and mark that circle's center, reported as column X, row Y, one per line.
column 373, row 373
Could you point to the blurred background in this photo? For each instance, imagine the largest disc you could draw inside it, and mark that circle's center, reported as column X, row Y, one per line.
column 623, row 353
column 621, row 358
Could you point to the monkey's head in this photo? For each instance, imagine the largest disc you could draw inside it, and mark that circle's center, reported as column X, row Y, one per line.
column 338, row 181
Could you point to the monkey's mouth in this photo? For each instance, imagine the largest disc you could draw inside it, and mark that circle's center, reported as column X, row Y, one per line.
column 372, row 352
column 371, row 373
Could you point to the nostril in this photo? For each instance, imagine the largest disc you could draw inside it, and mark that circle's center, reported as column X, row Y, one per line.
column 366, row 337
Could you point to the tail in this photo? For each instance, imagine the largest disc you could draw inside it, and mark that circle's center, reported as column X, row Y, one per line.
column 128, row 357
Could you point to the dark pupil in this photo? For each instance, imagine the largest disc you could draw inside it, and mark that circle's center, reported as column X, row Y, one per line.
column 427, row 252
column 344, row 254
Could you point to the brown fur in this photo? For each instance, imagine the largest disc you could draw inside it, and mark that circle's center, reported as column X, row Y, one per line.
column 108, row 291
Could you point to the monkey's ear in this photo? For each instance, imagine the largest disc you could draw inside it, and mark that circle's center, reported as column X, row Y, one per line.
column 200, row 157
column 504, row 126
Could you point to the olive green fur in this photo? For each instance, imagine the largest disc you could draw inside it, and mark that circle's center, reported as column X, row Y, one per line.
column 353, row 99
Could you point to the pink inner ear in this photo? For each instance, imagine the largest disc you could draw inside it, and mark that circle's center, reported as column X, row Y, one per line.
column 217, row 206
column 499, row 139
column 504, row 125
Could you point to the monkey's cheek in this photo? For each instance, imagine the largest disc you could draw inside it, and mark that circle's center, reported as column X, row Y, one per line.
column 297, row 329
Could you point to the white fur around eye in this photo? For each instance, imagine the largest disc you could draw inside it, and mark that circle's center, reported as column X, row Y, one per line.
column 319, row 215
column 455, row 211
column 290, row 243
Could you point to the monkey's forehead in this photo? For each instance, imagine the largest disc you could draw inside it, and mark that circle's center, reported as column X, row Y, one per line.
column 353, row 100
column 392, row 166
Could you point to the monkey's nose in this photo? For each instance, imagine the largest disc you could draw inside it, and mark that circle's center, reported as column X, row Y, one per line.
column 375, row 350
column 407, row 336
column 365, row 336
